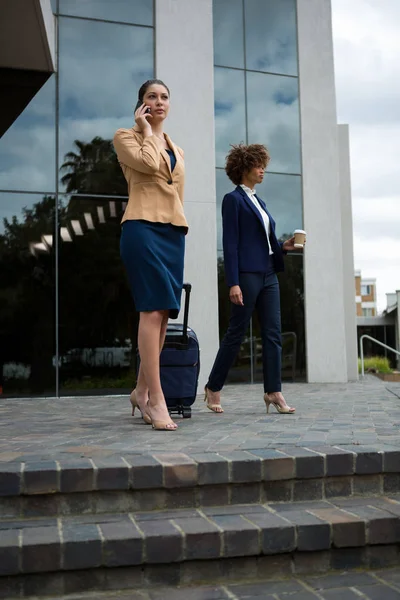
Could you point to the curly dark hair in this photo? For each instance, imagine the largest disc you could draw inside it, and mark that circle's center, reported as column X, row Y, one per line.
column 241, row 159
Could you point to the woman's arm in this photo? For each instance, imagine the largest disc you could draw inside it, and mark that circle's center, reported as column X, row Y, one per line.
column 230, row 238
column 144, row 158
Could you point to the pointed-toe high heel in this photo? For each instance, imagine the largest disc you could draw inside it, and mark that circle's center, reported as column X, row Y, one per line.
column 283, row 410
column 146, row 418
column 217, row 408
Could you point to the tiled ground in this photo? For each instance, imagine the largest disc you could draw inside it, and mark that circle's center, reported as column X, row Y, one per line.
column 365, row 413
column 377, row 585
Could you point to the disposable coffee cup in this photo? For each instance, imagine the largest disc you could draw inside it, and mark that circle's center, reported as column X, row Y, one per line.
column 299, row 238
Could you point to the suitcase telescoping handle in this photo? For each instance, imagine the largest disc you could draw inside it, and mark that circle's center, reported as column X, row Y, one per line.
column 187, row 288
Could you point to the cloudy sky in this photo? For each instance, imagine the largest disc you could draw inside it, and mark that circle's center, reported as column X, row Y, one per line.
column 367, row 65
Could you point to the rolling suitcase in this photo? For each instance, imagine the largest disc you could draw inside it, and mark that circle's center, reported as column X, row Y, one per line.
column 180, row 364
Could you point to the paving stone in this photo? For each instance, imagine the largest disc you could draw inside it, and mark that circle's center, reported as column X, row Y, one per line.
column 210, row 495
column 367, row 484
column 122, row 544
column 277, row 534
column 379, row 592
column 82, row 547
column 163, row 541
column 41, row 549
column 146, row 472
column 368, row 461
column 347, row 530
column 337, row 486
column 202, row 538
column 179, row 469
column 391, row 483
column 340, row 594
column 278, row 491
column 9, row 552
column 112, row 474
column 76, row 476
column 312, row 533
column 240, row 537
column 10, row 479
column 41, row 478
column 308, row 464
column 338, row 462
column 391, row 461
column 250, row 493
column 308, row 489
column 340, row 580
column 275, row 465
column 213, row 469
column 243, row 466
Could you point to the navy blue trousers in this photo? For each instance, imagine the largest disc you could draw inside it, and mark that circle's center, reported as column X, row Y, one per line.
column 261, row 292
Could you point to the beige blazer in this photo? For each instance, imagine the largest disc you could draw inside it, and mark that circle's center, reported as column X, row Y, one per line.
column 155, row 193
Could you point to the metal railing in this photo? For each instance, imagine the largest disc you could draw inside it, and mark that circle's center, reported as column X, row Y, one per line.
column 376, row 342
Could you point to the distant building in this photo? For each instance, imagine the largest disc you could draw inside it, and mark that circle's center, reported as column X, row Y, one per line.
column 365, row 296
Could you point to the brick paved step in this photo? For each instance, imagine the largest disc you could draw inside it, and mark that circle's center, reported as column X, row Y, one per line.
column 341, row 533
column 381, row 584
column 176, row 480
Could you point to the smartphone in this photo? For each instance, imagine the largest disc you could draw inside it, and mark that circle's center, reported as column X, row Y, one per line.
column 148, row 110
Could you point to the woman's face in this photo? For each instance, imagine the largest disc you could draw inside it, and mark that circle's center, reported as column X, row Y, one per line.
column 256, row 174
column 157, row 98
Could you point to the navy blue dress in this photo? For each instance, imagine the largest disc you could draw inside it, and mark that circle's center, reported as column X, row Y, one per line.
column 153, row 256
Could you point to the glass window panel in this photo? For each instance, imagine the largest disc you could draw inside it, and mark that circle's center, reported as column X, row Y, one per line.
column 228, row 33
column 54, row 6
column 223, row 186
column 97, row 322
column 27, row 149
column 229, row 108
column 273, row 119
column 99, row 82
column 27, row 294
column 131, row 11
column 271, row 42
column 283, row 197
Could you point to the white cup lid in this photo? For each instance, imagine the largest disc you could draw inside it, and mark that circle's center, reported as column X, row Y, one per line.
column 299, row 231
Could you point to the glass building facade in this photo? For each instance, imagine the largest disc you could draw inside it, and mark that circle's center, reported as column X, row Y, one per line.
column 257, row 101
column 67, row 323
column 66, row 315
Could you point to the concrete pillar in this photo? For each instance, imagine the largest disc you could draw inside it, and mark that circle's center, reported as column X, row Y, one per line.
column 323, row 260
column 348, row 253
column 184, row 60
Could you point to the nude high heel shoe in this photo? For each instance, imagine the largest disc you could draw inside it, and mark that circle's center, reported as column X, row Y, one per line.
column 146, row 418
column 283, row 410
column 217, row 408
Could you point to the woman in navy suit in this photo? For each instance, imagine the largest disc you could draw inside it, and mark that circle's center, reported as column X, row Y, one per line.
column 252, row 258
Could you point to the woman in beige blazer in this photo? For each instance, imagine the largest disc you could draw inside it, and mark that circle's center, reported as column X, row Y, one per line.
column 152, row 239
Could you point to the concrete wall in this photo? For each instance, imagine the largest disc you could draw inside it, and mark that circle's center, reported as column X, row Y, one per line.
column 323, row 262
column 348, row 253
column 184, row 60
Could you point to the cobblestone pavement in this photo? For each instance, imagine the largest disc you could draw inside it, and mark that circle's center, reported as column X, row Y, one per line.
column 377, row 585
column 365, row 413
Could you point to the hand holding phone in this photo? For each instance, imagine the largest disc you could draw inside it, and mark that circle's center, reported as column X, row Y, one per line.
column 142, row 114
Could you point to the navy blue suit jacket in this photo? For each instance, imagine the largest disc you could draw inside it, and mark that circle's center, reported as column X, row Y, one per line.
column 244, row 241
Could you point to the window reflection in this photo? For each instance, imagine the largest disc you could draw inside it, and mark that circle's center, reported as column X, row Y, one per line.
column 99, row 82
column 228, row 33
column 131, row 11
column 273, row 109
column 271, row 42
column 97, row 322
column 27, row 294
column 27, row 149
column 229, row 107
column 283, row 197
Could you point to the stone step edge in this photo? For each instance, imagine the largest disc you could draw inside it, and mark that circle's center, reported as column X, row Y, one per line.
column 179, row 470
column 205, row 534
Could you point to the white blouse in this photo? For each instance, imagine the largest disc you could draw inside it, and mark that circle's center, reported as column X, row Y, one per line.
column 252, row 195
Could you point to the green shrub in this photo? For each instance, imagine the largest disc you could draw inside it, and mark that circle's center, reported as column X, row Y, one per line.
column 377, row 363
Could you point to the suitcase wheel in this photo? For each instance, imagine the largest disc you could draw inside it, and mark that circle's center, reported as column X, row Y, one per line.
column 187, row 413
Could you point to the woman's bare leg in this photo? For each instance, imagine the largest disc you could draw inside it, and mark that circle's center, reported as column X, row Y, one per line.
column 152, row 330
column 142, row 389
